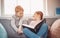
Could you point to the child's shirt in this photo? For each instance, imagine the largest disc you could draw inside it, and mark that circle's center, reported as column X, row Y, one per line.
column 16, row 22
column 34, row 23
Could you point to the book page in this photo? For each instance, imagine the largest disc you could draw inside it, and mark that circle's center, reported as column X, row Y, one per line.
column 30, row 26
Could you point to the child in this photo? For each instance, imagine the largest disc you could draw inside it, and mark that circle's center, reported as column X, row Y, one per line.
column 17, row 19
column 37, row 18
column 41, row 27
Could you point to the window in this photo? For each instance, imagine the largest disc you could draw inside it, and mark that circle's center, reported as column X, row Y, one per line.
column 9, row 6
column 30, row 6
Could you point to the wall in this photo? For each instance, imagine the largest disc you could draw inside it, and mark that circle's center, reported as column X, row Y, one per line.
column 59, row 3
column 52, row 5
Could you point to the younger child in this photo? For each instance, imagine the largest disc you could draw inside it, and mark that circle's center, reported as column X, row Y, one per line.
column 17, row 19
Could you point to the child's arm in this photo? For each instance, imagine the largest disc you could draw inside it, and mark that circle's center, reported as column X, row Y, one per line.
column 13, row 24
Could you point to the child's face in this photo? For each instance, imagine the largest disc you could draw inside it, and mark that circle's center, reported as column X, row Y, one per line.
column 36, row 16
column 19, row 13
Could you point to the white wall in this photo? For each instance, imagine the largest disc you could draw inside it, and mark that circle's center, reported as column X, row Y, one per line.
column 59, row 3
column 52, row 5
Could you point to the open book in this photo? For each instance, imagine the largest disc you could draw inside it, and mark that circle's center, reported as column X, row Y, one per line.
column 32, row 25
column 34, row 28
column 29, row 26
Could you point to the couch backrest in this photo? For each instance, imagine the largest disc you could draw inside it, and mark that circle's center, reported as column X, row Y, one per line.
column 7, row 25
column 50, row 21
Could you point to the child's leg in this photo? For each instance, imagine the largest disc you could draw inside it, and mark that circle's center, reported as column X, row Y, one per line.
column 29, row 33
column 43, row 31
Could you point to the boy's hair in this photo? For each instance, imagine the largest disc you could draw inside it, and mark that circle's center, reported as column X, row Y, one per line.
column 40, row 13
column 19, row 7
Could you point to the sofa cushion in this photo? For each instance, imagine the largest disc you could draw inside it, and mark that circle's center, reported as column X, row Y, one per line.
column 7, row 24
column 3, row 33
column 55, row 29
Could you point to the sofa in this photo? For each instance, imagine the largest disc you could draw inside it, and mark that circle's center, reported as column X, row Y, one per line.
column 10, row 31
column 50, row 22
column 3, row 33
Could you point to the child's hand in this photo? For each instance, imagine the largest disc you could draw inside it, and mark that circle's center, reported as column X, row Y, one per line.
column 19, row 31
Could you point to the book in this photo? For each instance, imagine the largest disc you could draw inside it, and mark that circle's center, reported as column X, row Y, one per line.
column 32, row 25
column 29, row 26
column 35, row 28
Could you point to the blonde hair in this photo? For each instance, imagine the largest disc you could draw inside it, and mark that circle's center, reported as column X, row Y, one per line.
column 19, row 7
